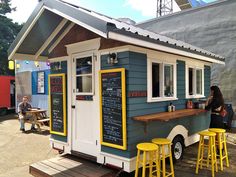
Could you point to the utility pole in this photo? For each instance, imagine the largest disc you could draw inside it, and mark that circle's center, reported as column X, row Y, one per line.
column 164, row 7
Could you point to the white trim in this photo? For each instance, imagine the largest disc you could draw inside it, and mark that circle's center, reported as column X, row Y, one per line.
column 127, row 39
column 59, row 142
column 61, row 37
column 153, row 53
column 63, row 58
column 26, row 33
column 78, row 22
column 69, row 101
column 19, row 56
column 178, row 130
column 162, row 63
column 50, row 38
column 88, row 45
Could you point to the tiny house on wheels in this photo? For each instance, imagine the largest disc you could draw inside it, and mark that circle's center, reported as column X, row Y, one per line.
column 111, row 83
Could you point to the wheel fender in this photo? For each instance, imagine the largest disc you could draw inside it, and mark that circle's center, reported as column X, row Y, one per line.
column 178, row 130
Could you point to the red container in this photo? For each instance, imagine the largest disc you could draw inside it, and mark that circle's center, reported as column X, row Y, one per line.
column 7, row 92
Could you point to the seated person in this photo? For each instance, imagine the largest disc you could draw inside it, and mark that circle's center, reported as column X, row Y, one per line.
column 22, row 108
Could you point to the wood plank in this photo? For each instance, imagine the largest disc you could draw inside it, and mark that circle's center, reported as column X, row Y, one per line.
column 63, row 170
column 68, row 166
column 46, row 169
column 167, row 116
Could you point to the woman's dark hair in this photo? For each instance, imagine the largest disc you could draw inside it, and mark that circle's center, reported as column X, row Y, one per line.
column 217, row 95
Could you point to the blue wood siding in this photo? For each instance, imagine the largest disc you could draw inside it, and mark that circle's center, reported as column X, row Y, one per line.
column 136, row 80
column 59, row 71
column 35, row 82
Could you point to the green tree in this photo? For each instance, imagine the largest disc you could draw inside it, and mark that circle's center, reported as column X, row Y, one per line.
column 8, row 32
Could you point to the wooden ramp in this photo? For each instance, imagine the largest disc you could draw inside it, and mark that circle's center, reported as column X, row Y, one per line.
column 69, row 166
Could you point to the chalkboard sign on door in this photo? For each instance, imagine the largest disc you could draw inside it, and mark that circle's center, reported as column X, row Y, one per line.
column 57, row 104
column 113, row 108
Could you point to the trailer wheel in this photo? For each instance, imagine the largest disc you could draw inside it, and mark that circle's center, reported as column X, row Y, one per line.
column 3, row 111
column 177, row 148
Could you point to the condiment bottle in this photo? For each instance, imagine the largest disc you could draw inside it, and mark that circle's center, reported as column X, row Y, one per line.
column 173, row 108
column 170, row 107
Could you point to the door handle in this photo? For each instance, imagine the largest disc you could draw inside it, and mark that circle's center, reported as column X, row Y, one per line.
column 73, row 106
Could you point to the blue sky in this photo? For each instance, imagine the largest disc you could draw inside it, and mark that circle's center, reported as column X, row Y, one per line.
column 137, row 10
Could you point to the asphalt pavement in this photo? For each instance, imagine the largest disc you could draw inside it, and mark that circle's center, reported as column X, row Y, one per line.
column 18, row 150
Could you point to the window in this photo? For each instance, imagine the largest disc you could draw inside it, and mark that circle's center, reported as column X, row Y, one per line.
column 168, row 80
column 199, row 81
column 84, row 75
column 155, row 80
column 161, row 81
column 190, row 82
column 194, row 82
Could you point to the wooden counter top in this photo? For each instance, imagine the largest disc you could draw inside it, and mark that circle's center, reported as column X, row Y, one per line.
column 166, row 116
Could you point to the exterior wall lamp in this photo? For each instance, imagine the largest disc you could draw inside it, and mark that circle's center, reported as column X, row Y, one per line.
column 11, row 64
column 17, row 66
column 112, row 59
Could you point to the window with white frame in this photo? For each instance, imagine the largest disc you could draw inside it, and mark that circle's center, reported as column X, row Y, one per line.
column 84, row 75
column 161, row 81
column 194, row 82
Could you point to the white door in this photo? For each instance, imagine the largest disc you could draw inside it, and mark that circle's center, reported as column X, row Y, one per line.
column 85, row 115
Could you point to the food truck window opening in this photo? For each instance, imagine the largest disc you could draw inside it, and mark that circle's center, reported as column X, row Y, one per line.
column 84, row 75
column 161, row 81
column 194, row 82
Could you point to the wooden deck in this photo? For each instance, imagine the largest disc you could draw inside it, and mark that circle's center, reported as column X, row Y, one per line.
column 69, row 166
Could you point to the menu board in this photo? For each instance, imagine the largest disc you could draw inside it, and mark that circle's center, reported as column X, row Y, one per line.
column 113, row 108
column 57, row 104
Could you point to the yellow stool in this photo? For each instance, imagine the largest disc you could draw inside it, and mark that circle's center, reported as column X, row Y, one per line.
column 221, row 143
column 162, row 144
column 148, row 149
column 211, row 151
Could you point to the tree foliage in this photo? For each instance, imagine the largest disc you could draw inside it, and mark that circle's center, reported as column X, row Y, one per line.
column 8, row 32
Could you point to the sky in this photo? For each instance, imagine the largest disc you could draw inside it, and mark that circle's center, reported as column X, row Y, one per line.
column 137, row 10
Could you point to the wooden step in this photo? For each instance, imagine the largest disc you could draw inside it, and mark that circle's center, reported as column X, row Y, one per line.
column 69, row 166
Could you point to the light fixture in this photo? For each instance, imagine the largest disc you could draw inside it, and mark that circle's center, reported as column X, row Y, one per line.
column 26, row 62
column 11, row 64
column 112, row 59
column 36, row 64
column 17, row 66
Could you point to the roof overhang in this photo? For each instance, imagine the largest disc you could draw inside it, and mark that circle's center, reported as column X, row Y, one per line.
column 151, row 45
column 52, row 19
column 48, row 23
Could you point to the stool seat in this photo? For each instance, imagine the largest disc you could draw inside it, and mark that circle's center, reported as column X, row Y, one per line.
column 207, row 133
column 161, row 141
column 217, row 130
column 147, row 147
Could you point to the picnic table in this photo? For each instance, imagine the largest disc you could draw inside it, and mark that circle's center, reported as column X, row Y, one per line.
column 39, row 117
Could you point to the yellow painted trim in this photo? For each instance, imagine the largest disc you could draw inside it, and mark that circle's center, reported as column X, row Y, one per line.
column 64, row 133
column 124, row 131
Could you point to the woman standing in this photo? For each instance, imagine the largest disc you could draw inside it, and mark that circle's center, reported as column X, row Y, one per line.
column 215, row 103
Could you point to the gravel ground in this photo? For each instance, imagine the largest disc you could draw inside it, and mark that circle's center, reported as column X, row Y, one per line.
column 18, row 150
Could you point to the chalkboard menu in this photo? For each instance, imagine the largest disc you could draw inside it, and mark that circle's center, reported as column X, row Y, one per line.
column 113, row 108
column 57, row 104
